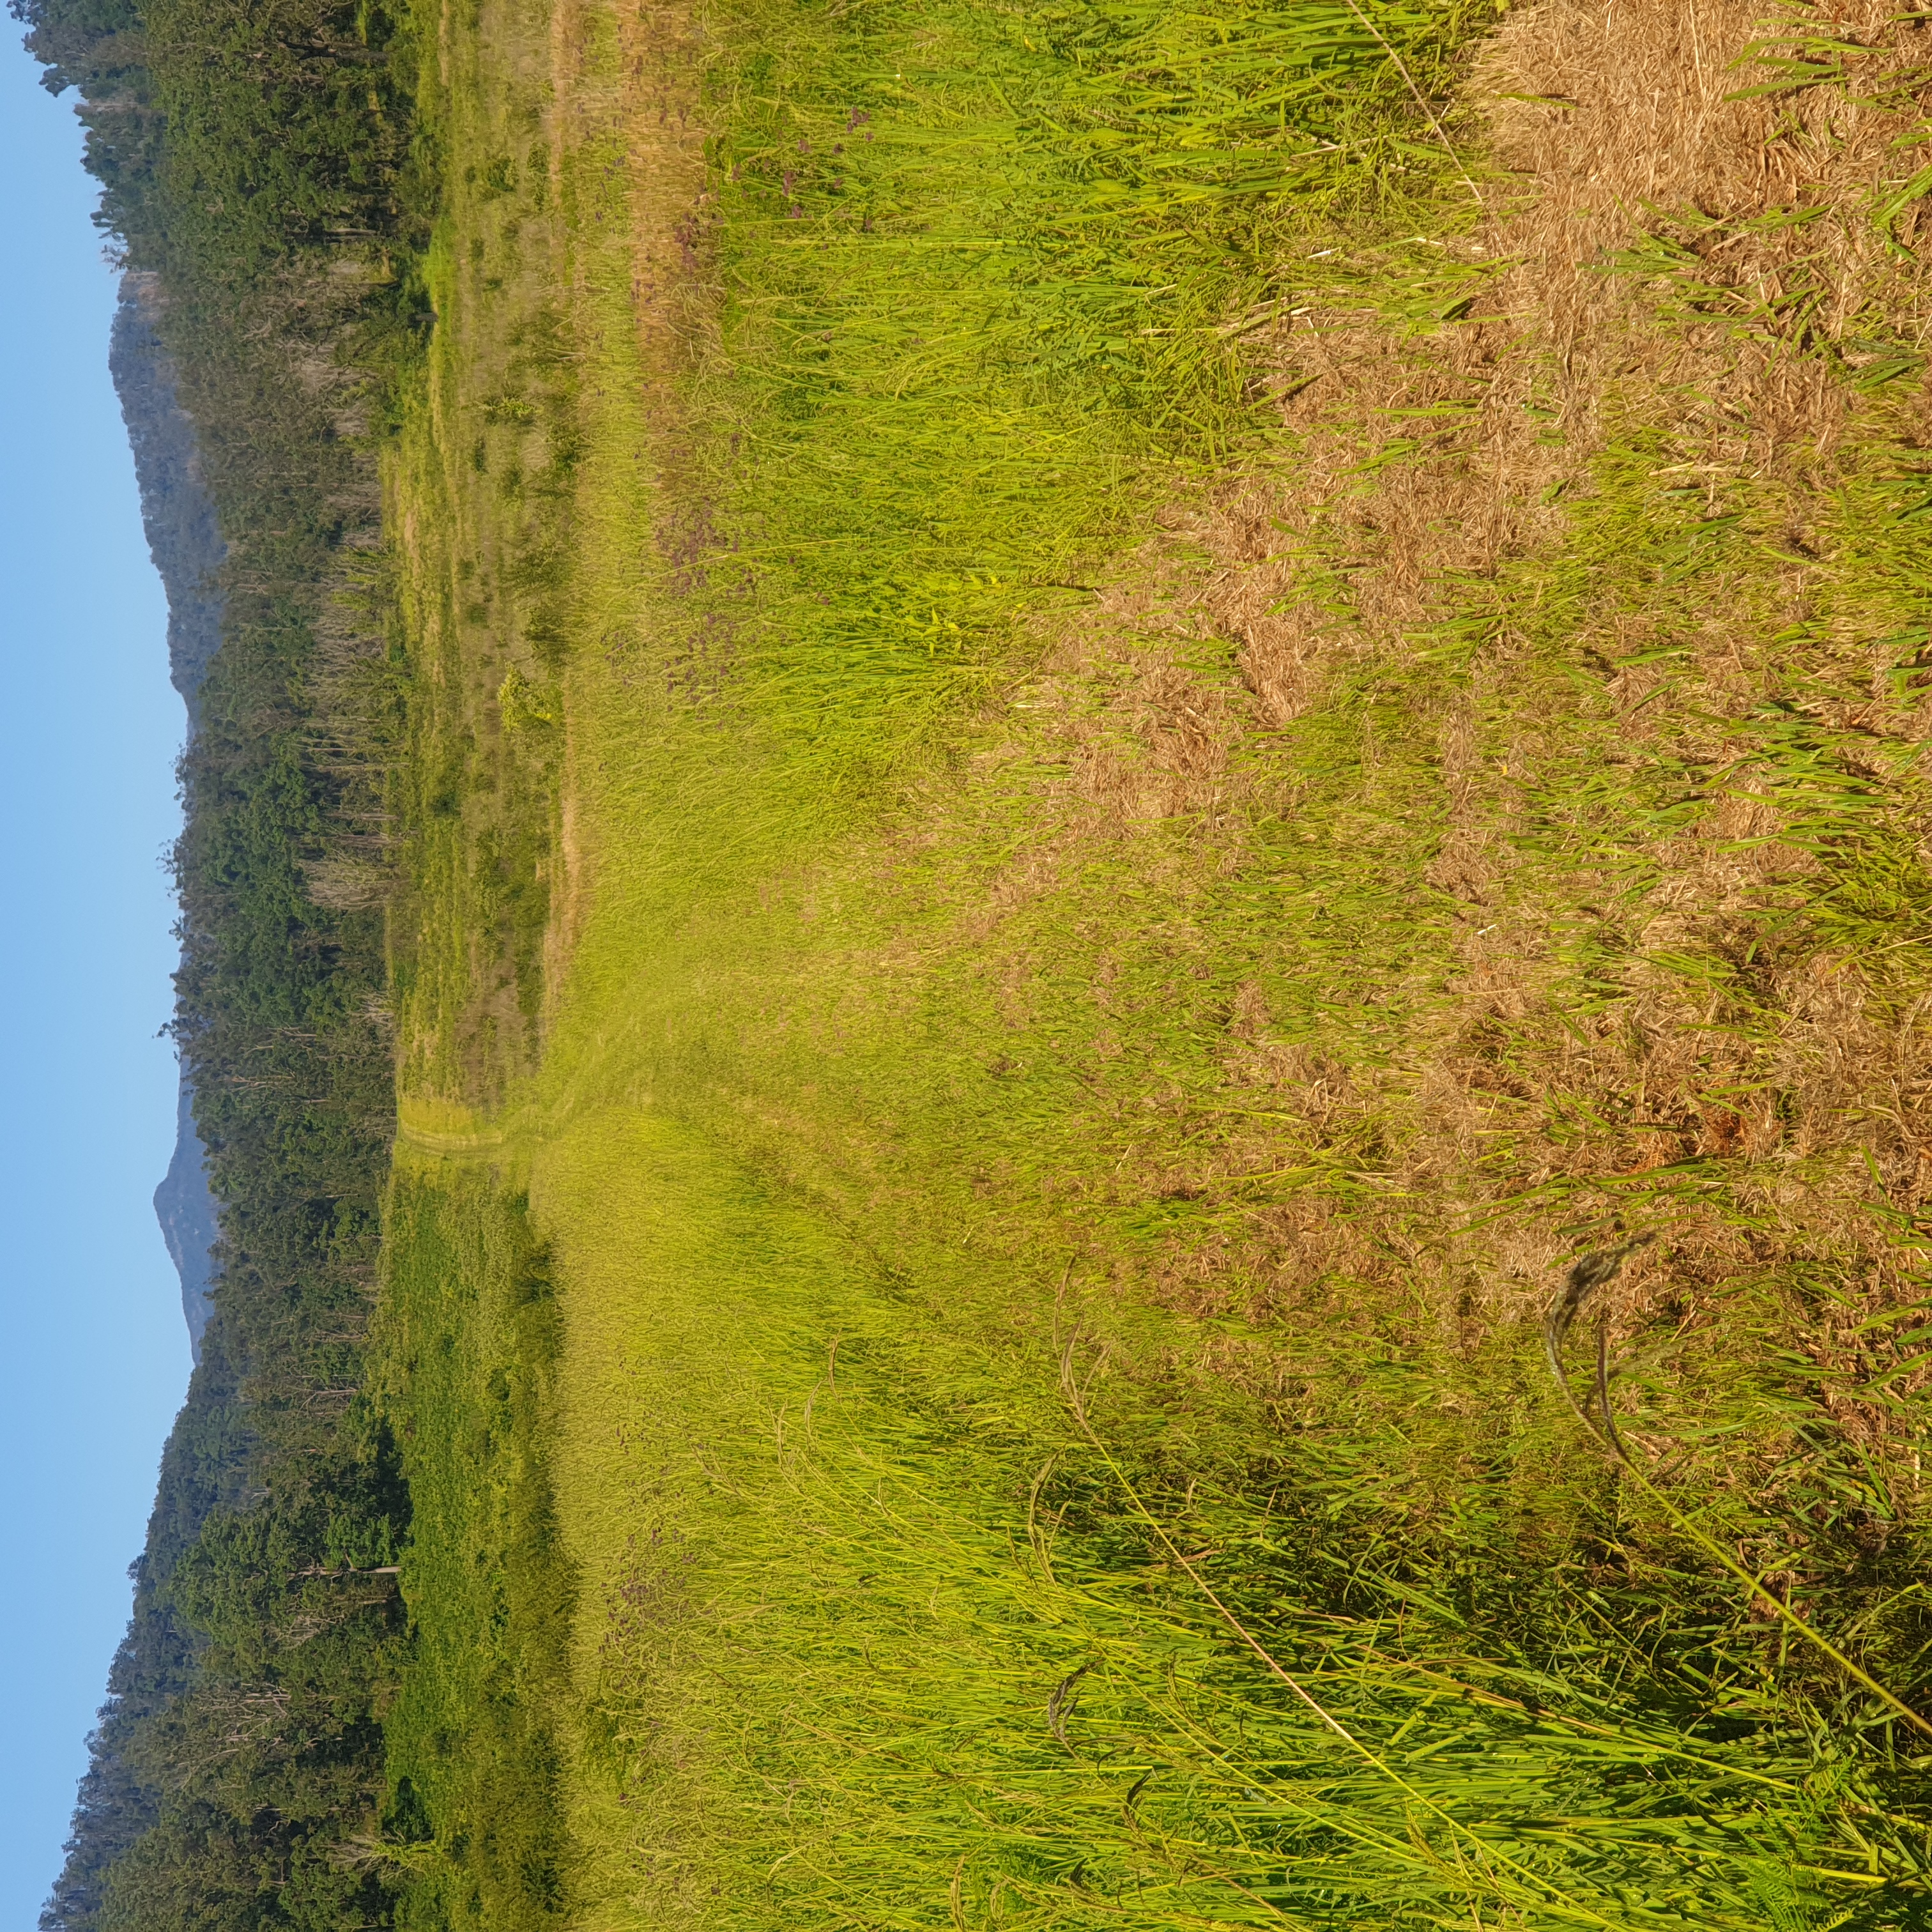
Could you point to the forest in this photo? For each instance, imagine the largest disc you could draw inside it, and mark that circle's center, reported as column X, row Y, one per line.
column 1053, row 917
column 238, row 150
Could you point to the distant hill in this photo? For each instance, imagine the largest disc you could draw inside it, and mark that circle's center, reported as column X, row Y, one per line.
column 175, row 510
column 187, row 547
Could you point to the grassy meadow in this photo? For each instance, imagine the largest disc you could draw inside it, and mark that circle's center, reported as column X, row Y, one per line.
column 1116, row 720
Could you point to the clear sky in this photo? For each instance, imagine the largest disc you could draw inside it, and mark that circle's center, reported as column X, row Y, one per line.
column 96, row 1353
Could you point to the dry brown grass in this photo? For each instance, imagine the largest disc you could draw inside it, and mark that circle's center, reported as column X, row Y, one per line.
column 1603, row 121
column 1344, row 561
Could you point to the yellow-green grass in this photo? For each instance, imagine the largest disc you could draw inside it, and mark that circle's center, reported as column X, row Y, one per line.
column 477, row 1741
column 909, row 1602
column 1048, row 1427
column 479, row 480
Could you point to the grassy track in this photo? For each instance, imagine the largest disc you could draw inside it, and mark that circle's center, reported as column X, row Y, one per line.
column 1083, row 800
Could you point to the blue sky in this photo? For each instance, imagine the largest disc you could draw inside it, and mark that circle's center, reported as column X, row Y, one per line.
column 97, row 1354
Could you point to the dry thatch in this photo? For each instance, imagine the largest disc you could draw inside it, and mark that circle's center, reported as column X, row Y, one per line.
column 1693, row 244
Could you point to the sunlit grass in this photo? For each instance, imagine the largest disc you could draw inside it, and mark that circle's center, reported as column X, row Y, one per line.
column 1050, row 1429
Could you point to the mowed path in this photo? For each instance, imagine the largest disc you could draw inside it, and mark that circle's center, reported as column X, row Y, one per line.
column 447, row 1130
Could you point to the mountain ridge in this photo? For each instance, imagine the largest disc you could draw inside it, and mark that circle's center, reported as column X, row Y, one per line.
column 186, row 545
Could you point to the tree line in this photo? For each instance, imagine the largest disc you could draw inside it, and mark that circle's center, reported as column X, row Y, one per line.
column 260, row 167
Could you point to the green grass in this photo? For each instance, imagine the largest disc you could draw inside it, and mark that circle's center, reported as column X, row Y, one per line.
column 913, row 1609
column 1048, row 1422
column 478, row 485
column 467, row 1344
column 980, row 277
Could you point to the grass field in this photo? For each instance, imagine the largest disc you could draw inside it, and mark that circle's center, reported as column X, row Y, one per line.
column 1112, row 731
